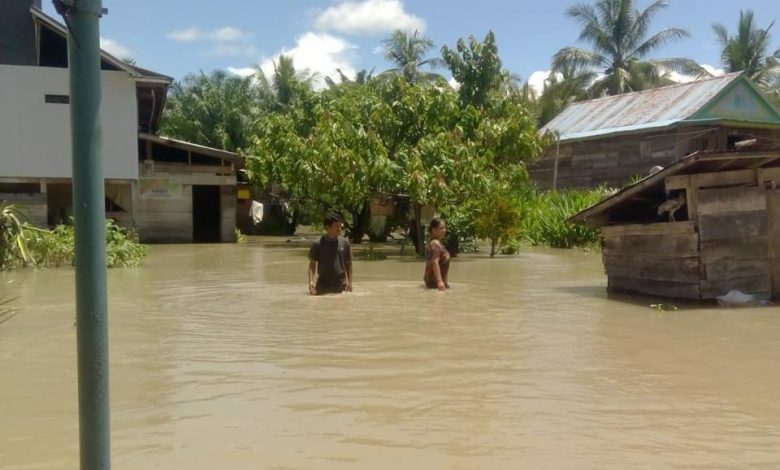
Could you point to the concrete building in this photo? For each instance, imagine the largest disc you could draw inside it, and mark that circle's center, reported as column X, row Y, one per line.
column 164, row 189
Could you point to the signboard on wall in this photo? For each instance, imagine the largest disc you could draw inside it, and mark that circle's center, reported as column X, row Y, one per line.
column 160, row 188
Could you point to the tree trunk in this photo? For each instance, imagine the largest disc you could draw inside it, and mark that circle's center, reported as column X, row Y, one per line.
column 361, row 221
column 493, row 247
column 419, row 230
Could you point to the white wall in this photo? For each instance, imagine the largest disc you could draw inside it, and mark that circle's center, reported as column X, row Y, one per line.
column 35, row 135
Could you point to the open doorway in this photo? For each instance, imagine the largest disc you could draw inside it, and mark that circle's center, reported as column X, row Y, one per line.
column 205, row 214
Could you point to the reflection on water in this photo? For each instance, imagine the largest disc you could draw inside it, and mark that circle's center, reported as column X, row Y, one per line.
column 219, row 359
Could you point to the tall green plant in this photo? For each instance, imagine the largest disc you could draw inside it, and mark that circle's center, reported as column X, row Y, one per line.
column 13, row 242
column 546, row 214
column 476, row 67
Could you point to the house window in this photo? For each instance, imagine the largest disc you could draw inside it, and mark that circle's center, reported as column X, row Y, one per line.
column 731, row 142
column 62, row 99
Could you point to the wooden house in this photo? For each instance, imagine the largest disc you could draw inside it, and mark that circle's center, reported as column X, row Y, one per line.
column 725, row 234
column 611, row 140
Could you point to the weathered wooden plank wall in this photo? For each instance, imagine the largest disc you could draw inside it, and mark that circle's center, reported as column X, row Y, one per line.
column 166, row 220
column 614, row 160
column 227, row 196
column 733, row 229
column 654, row 259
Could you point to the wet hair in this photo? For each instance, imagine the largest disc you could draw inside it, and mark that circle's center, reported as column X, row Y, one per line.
column 331, row 218
column 435, row 223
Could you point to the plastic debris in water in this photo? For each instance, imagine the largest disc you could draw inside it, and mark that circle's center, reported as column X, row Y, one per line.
column 736, row 298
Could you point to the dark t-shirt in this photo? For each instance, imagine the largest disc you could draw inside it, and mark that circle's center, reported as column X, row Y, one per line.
column 332, row 257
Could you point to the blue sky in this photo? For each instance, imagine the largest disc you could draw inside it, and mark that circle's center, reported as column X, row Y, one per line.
column 175, row 37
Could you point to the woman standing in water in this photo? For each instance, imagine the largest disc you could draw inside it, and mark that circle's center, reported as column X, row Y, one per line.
column 437, row 258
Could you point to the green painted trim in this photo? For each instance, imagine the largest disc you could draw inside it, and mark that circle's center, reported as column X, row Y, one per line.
column 731, row 123
column 702, row 113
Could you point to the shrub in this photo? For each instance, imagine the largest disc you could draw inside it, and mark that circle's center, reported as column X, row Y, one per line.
column 545, row 218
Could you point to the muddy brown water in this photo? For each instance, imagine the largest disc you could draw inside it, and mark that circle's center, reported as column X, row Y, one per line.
column 219, row 359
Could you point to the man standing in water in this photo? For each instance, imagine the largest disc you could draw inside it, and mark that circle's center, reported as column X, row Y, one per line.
column 331, row 258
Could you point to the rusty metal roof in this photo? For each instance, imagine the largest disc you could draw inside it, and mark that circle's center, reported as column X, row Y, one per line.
column 630, row 112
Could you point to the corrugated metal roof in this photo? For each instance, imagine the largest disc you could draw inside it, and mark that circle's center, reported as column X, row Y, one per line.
column 656, row 108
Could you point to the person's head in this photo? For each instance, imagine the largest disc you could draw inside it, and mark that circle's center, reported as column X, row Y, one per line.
column 332, row 224
column 438, row 228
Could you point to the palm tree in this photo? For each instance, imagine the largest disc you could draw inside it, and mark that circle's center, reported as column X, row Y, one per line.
column 748, row 51
column 362, row 77
column 408, row 53
column 561, row 89
column 215, row 110
column 286, row 84
column 617, row 32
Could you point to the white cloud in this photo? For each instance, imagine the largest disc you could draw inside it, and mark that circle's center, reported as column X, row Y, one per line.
column 232, row 50
column 114, row 48
column 229, row 34
column 537, row 79
column 224, row 35
column 454, row 83
column 242, row 71
column 681, row 78
column 368, row 17
column 319, row 53
column 714, row 71
column 227, row 41
column 186, row 35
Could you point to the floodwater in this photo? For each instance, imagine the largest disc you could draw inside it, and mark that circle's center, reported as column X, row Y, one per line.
column 219, row 359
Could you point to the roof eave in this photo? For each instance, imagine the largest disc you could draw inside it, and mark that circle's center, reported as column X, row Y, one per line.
column 111, row 59
column 208, row 151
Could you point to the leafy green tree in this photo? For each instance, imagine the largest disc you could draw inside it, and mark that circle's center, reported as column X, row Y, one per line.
column 476, row 67
column 336, row 149
column 617, row 32
column 748, row 51
column 497, row 216
column 216, row 110
column 407, row 51
column 324, row 155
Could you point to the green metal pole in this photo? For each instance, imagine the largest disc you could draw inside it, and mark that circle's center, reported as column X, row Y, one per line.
column 89, row 219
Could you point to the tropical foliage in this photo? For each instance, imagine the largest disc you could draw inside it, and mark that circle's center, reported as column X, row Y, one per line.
column 749, row 51
column 22, row 244
column 546, row 214
column 620, row 47
column 408, row 53
column 216, row 110
column 476, row 68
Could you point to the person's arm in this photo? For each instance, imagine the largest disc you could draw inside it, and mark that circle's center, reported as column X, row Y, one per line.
column 348, row 263
column 314, row 256
column 312, row 273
